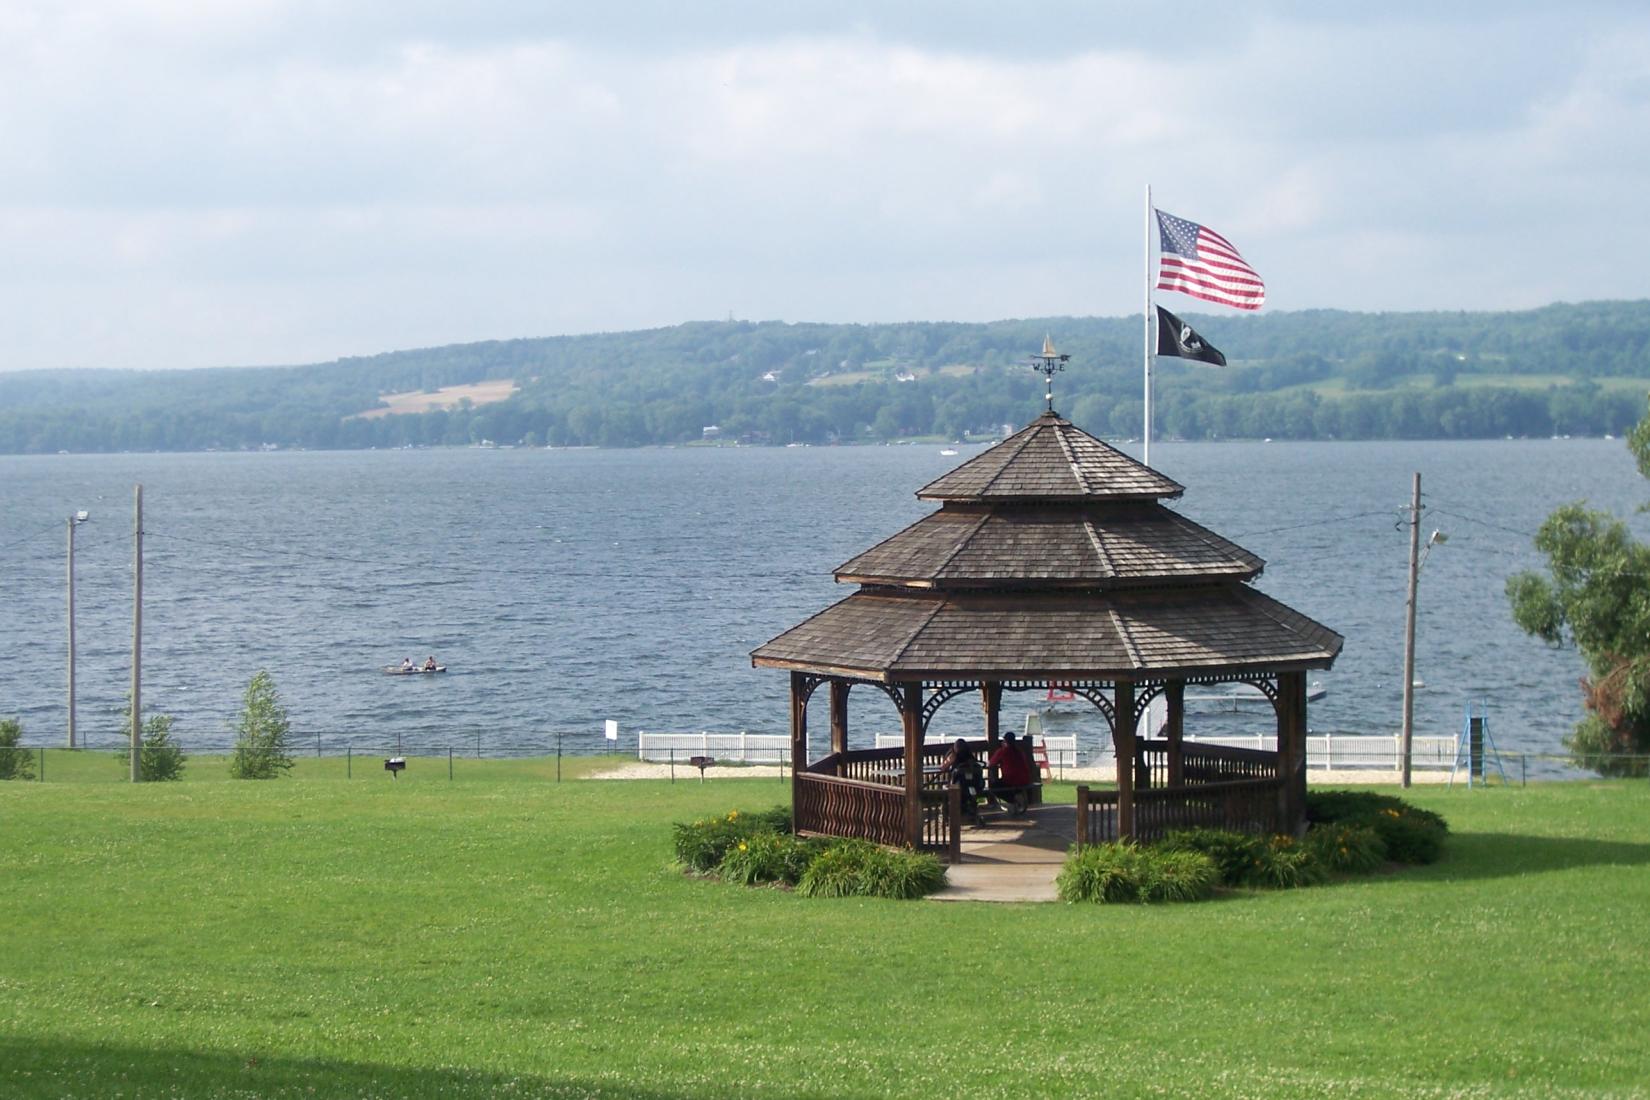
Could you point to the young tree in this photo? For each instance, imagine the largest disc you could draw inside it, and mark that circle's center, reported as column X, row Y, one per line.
column 16, row 762
column 263, row 747
column 1596, row 596
column 160, row 758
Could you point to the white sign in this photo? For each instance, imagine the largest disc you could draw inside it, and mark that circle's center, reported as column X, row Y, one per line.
column 611, row 728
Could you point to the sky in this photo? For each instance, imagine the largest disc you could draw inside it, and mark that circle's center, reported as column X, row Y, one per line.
column 257, row 182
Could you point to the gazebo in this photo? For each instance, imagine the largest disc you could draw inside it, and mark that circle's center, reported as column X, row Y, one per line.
column 1051, row 561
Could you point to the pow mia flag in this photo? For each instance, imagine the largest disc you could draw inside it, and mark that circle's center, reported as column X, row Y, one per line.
column 1175, row 337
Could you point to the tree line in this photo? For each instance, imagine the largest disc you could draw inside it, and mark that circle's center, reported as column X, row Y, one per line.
column 1562, row 369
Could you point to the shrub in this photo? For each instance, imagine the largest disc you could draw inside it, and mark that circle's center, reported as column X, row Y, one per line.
column 1125, row 873
column 1329, row 806
column 263, row 735
column 902, row 873
column 1411, row 834
column 767, row 856
column 1283, row 863
column 1347, row 849
column 1234, row 853
column 835, row 872
column 16, row 762
column 160, row 757
column 858, row 868
column 701, row 844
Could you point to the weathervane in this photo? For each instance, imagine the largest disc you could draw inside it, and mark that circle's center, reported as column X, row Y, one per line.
column 1049, row 362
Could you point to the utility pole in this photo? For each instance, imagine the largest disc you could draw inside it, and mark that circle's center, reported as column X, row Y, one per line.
column 1409, row 623
column 74, row 521
column 137, row 632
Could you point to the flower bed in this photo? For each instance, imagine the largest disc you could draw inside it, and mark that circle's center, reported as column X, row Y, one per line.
column 1350, row 833
column 759, row 849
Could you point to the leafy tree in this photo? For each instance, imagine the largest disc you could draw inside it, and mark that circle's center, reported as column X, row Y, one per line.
column 1595, row 595
column 160, row 757
column 16, row 762
column 263, row 748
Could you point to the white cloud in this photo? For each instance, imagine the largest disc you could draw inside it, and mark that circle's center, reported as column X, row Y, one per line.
column 269, row 182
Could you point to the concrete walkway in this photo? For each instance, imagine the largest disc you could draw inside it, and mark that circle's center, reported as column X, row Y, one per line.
column 1012, row 859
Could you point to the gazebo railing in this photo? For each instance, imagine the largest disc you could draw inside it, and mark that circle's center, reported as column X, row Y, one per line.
column 1204, row 763
column 830, row 805
column 885, row 766
column 1243, row 805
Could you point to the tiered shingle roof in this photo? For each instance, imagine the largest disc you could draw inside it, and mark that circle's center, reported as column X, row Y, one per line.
column 1051, row 459
column 1051, row 558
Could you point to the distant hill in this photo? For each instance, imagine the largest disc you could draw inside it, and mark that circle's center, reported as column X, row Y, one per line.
column 1562, row 369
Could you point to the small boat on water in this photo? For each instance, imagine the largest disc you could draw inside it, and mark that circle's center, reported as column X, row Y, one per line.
column 949, row 451
column 415, row 670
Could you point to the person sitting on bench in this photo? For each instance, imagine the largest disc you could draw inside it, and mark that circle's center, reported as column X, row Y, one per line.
column 962, row 768
column 1013, row 774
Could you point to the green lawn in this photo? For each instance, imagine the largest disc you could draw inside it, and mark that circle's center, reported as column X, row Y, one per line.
column 502, row 934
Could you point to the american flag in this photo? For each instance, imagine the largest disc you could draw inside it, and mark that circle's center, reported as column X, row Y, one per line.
column 1198, row 261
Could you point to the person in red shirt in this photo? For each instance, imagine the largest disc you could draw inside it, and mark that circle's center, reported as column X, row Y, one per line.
column 1013, row 772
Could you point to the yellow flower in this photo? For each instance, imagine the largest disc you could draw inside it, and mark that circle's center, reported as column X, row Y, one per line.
column 741, row 845
column 733, row 815
column 1390, row 812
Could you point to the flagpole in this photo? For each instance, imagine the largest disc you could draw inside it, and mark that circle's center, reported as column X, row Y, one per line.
column 1146, row 356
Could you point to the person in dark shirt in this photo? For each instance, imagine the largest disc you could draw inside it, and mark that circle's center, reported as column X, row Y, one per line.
column 962, row 767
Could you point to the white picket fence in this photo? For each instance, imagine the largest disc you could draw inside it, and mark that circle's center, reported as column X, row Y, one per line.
column 1061, row 750
column 1324, row 752
column 739, row 748
column 1337, row 751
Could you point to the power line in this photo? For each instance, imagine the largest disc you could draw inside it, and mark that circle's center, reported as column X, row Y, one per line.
column 34, row 535
column 426, row 569
column 1312, row 523
column 1484, row 523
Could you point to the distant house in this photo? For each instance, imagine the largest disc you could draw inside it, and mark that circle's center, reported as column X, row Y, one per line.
column 771, row 376
column 710, row 431
column 905, row 376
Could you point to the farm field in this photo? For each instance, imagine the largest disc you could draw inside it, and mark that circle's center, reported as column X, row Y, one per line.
column 501, row 934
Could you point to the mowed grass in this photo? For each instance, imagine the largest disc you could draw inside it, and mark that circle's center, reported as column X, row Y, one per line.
column 505, row 935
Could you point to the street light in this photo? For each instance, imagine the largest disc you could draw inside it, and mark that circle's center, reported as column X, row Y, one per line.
column 1416, row 558
column 74, row 521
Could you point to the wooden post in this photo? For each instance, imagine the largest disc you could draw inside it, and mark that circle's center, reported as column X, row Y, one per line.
column 137, row 633
column 799, row 744
column 1122, row 739
column 1082, row 815
column 1408, row 730
column 911, row 721
column 991, row 703
column 953, row 817
column 839, row 715
column 1292, row 749
column 1174, row 697
column 71, row 632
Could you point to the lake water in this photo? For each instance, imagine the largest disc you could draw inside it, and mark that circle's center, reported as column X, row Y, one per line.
column 562, row 588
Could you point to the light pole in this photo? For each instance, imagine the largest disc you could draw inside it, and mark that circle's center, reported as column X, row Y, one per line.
column 74, row 521
column 1417, row 558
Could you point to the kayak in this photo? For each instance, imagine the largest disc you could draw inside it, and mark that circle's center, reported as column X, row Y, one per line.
column 418, row 670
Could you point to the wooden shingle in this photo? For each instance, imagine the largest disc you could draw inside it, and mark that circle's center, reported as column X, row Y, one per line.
column 1107, row 546
column 1051, row 558
column 1051, row 459
column 882, row 633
